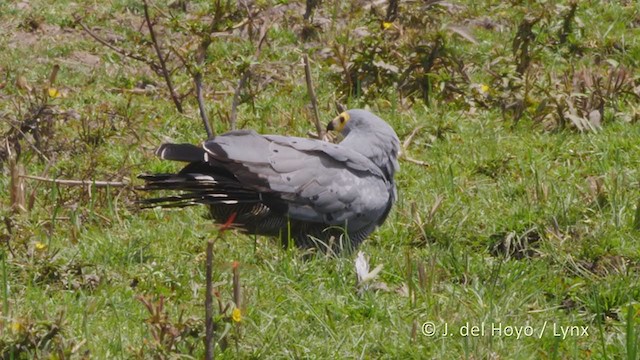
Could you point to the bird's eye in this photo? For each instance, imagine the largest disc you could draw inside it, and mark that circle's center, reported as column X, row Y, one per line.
column 341, row 119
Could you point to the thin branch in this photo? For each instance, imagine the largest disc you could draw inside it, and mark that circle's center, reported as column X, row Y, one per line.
column 163, row 65
column 312, row 95
column 409, row 139
column 32, row 196
column 54, row 74
column 13, row 139
column 415, row 161
column 208, row 303
column 245, row 77
column 341, row 54
column 236, row 97
column 197, row 80
column 120, row 51
column 17, row 186
column 405, row 146
column 196, row 74
column 236, row 285
column 95, row 183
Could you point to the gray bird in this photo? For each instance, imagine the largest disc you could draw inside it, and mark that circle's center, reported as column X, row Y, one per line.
column 312, row 192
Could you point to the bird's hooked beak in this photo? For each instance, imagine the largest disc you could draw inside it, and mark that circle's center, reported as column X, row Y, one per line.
column 339, row 122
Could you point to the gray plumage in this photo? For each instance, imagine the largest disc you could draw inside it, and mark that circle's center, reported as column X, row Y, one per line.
column 310, row 191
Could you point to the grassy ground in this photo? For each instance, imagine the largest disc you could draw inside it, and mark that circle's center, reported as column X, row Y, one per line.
column 525, row 222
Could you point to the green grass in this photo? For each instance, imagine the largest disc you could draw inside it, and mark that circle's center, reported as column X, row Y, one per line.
column 515, row 221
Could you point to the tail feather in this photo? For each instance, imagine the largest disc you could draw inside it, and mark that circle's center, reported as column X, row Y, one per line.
column 181, row 152
column 200, row 182
column 197, row 189
column 184, row 201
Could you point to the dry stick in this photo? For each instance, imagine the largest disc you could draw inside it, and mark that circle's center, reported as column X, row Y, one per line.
column 208, row 304
column 52, row 80
column 95, row 183
column 636, row 219
column 406, row 144
column 197, row 79
column 208, row 300
column 197, row 74
column 341, row 55
column 54, row 74
column 236, row 285
column 32, row 196
column 236, row 98
column 17, row 186
column 163, row 65
column 31, row 144
column 245, row 77
column 312, row 95
column 120, row 51
column 409, row 139
column 415, row 161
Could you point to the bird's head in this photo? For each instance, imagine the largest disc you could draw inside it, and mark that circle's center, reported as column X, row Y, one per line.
column 339, row 122
column 358, row 120
column 369, row 135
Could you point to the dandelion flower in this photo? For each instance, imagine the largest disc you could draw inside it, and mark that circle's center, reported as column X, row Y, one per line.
column 236, row 315
column 54, row 93
column 17, row 327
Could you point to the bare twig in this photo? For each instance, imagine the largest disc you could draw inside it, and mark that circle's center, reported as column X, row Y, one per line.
column 236, row 285
column 208, row 303
column 54, row 74
column 197, row 77
column 392, row 11
column 135, row 91
column 161, row 58
column 196, row 73
column 21, row 135
column 567, row 21
column 312, row 95
column 409, row 139
column 95, row 183
column 8, row 223
column 245, row 77
column 236, row 97
column 405, row 146
column 17, row 186
column 311, row 6
column 197, row 80
column 415, row 161
column 636, row 218
column 32, row 196
column 342, row 56
column 120, row 51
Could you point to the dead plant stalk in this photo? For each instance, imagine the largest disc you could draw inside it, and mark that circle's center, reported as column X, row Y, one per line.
column 312, row 95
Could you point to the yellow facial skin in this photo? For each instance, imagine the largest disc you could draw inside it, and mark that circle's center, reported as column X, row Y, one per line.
column 339, row 122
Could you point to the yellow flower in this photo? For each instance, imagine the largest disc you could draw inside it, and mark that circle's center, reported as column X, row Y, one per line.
column 236, row 315
column 41, row 246
column 17, row 327
column 386, row 25
column 484, row 88
column 54, row 93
